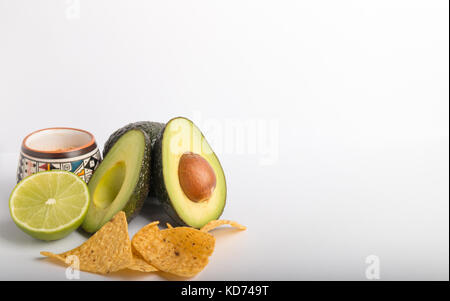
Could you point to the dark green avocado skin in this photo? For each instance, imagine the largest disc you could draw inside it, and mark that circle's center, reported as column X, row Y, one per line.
column 141, row 190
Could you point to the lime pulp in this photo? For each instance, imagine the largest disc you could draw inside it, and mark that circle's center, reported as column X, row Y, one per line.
column 49, row 205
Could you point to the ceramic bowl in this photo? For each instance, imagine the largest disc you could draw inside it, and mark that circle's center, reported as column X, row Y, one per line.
column 60, row 148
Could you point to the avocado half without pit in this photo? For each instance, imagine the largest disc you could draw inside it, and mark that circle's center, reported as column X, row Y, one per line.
column 187, row 177
column 121, row 182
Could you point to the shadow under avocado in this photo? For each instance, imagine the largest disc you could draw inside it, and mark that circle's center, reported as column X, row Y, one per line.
column 151, row 211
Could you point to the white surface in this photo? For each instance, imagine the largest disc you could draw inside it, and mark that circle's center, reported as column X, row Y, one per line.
column 356, row 92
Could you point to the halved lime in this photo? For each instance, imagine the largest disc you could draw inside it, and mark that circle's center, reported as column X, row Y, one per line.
column 50, row 204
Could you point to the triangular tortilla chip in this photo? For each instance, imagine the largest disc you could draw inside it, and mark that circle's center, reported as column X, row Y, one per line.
column 180, row 251
column 139, row 264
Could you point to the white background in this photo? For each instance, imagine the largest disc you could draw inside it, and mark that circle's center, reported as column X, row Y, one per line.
column 359, row 91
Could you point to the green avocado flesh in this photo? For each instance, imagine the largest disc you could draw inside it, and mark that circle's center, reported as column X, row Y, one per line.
column 121, row 181
column 178, row 137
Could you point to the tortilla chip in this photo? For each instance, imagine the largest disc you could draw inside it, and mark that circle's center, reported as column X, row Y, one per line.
column 139, row 264
column 108, row 250
column 217, row 223
column 180, row 251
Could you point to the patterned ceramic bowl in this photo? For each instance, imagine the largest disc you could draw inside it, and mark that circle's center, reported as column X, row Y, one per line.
column 67, row 149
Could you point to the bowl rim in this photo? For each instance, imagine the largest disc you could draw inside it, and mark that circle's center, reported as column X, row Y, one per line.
column 64, row 153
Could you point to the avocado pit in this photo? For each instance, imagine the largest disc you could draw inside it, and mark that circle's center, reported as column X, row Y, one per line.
column 196, row 176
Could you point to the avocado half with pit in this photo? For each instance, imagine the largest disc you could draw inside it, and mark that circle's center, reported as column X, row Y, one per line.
column 187, row 178
column 121, row 181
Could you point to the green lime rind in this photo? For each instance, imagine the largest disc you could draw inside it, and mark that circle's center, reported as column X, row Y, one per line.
column 61, row 230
